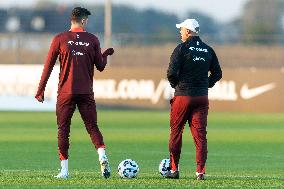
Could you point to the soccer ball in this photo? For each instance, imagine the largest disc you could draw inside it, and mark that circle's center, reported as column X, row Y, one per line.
column 128, row 169
column 164, row 167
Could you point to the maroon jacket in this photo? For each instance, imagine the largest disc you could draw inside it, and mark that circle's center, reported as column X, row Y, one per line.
column 78, row 52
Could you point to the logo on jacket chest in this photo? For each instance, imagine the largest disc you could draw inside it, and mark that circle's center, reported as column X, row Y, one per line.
column 198, row 49
column 196, row 58
column 77, row 47
column 198, row 53
column 78, row 43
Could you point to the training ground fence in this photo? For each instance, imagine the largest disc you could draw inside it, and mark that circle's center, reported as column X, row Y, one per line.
column 31, row 48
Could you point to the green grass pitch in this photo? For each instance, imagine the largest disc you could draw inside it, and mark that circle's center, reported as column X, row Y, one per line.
column 245, row 151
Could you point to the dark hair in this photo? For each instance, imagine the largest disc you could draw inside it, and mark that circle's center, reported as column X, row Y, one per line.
column 78, row 13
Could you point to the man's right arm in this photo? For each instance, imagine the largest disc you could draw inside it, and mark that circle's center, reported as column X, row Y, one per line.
column 174, row 67
column 215, row 70
column 48, row 66
column 101, row 58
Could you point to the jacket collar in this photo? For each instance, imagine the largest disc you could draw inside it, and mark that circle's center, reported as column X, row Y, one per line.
column 193, row 38
column 77, row 30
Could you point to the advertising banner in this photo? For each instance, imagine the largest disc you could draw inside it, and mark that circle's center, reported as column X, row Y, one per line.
column 240, row 90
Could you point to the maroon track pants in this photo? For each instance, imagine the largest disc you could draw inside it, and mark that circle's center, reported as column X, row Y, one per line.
column 65, row 107
column 195, row 111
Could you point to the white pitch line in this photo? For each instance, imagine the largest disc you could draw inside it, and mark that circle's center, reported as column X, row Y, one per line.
column 246, row 176
column 15, row 170
column 207, row 175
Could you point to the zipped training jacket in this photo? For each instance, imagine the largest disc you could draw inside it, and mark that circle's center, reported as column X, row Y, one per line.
column 189, row 66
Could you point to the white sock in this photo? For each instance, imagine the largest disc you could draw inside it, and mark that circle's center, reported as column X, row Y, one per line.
column 199, row 173
column 101, row 152
column 64, row 165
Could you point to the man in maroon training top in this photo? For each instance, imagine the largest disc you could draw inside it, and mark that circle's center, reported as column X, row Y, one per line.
column 188, row 74
column 78, row 51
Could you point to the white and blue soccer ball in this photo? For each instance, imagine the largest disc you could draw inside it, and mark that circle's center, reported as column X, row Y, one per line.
column 128, row 169
column 164, row 167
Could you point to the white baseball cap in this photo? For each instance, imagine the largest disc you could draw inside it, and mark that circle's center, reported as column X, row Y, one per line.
column 190, row 24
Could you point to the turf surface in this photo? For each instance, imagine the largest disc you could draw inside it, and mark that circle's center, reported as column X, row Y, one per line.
column 245, row 151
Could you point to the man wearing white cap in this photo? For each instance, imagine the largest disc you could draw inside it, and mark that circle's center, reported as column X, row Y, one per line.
column 190, row 63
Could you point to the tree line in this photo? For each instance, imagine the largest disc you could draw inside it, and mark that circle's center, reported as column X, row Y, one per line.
column 261, row 22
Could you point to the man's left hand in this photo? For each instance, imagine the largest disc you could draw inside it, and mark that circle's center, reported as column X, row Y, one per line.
column 108, row 52
column 40, row 98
